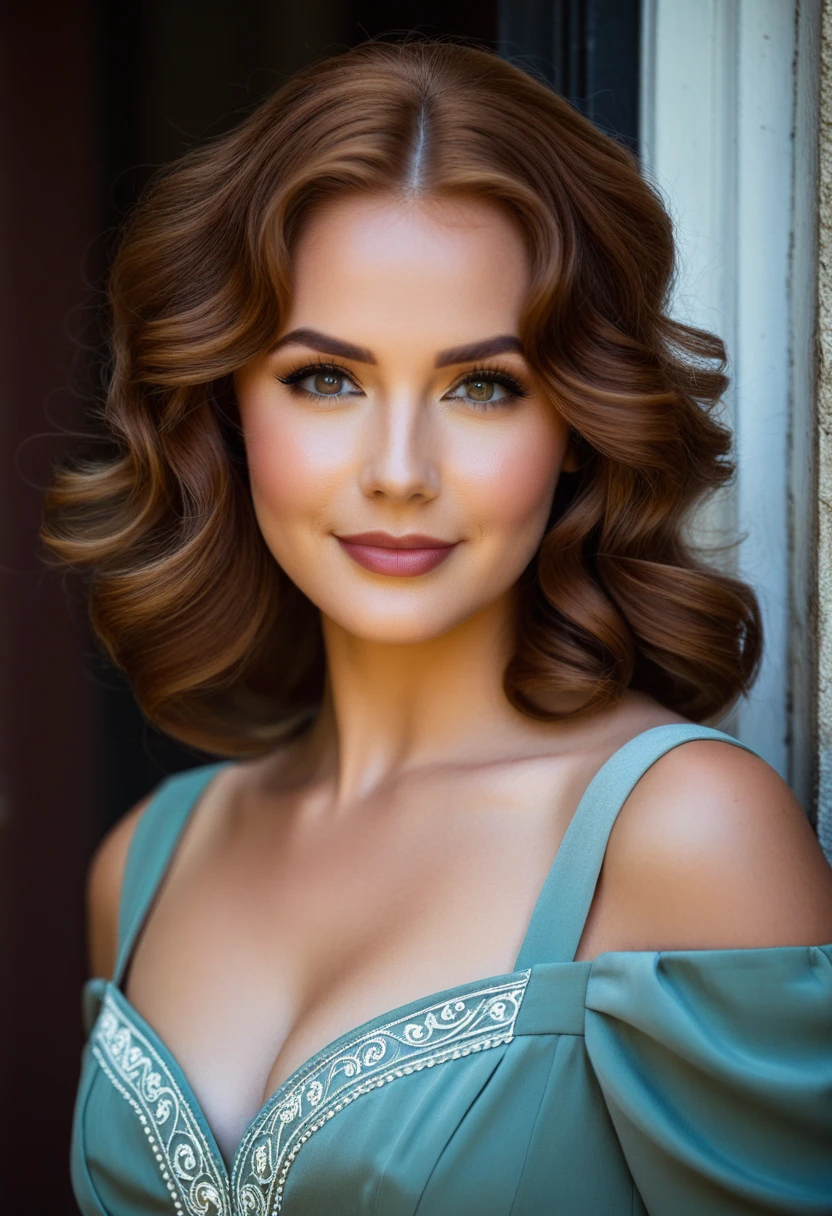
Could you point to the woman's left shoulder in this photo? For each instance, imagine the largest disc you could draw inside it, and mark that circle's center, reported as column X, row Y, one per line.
column 712, row 850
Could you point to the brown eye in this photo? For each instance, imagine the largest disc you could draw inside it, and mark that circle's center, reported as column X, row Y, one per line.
column 480, row 390
column 487, row 391
column 321, row 381
column 328, row 383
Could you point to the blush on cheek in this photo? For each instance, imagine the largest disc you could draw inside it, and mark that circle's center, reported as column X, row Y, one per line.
column 277, row 477
column 290, row 468
column 521, row 480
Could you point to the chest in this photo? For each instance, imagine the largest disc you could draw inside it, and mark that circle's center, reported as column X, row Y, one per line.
column 275, row 934
column 473, row 1103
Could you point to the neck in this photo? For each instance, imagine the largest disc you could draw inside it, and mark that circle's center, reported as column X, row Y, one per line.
column 390, row 707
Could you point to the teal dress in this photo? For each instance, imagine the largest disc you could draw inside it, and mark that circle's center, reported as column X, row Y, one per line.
column 675, row 1083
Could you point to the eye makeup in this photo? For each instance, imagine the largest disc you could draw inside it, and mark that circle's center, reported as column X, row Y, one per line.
column 319, row 368
column 513, row 389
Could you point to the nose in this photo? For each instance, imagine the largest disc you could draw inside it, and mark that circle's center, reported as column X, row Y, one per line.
column 400, row 461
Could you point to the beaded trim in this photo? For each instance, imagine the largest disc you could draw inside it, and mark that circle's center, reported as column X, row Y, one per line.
column 198, row 1184
column 189, row 1170
column 443, row 1031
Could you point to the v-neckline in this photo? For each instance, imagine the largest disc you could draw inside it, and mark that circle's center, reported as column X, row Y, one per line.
column 227, row 1170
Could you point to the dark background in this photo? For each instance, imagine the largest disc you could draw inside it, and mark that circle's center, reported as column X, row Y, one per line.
column 96, row 96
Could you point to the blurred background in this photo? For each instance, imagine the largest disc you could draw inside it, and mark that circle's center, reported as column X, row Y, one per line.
column 721, row 100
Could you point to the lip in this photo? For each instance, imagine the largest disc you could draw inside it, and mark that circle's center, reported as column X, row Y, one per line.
column 401, row 556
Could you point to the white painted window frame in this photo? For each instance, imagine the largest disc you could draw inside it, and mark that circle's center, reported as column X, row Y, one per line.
column 724, row 131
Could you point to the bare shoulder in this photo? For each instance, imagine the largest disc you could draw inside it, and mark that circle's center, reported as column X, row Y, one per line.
column 104, row 879
column 711, row 850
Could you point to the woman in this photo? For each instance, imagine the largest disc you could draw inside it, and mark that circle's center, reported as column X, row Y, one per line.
column 406, row 445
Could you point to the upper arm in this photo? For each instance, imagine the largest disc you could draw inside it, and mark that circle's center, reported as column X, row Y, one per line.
column 711, row 850
column 104, row 880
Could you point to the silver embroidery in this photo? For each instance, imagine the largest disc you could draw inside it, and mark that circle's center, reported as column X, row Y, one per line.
column 443, row 1031
column 196, row 1185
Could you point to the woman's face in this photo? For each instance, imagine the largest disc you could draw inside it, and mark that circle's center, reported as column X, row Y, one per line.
column 402, row 456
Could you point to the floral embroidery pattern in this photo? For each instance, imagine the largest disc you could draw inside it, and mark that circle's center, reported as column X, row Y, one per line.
column 189, row 1170
column 444, row 1031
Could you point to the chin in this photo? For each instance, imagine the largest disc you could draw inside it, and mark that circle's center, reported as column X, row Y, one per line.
column 411, row 627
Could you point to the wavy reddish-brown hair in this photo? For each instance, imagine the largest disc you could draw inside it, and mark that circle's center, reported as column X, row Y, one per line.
column 222, row 650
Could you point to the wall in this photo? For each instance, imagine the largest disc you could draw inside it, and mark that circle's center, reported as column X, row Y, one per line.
column 730, row 135
column 824, row 440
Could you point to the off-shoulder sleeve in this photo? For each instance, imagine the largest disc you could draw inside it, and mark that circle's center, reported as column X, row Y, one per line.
column 716, row 1068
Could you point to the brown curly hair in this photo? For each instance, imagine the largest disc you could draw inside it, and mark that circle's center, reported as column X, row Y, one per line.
column 222, row 650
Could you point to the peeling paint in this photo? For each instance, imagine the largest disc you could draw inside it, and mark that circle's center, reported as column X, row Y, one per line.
column 824, row 440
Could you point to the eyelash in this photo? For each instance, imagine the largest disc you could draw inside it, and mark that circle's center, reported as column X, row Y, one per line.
column 309, row 369
column 498, row 375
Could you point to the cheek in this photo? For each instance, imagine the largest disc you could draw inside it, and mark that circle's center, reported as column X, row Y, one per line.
column 514, row 480
column 292, row 467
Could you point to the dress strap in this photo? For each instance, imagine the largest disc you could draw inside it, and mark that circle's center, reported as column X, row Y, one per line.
column 155, row 838
column 563, row 905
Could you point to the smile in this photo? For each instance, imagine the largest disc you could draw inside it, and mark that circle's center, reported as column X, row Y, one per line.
column 401, row 556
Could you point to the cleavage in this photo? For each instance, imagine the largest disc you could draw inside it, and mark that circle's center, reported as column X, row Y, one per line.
column 254, row 959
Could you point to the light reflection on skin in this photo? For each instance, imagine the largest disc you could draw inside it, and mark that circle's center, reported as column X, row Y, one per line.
column 389, row 441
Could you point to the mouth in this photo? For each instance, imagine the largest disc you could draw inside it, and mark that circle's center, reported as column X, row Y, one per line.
column 401, row 556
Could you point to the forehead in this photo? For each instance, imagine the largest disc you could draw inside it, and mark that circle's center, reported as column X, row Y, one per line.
column 379, row 261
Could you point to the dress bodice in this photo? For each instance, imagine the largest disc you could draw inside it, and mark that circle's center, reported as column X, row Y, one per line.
column 671, row 1083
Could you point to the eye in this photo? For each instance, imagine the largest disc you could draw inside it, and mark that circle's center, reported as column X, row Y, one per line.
column 487, row 389
column 321, row 380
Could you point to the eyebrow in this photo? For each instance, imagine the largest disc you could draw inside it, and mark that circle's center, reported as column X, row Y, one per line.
column 479, row 350
column 325, row 344
column 328, row 345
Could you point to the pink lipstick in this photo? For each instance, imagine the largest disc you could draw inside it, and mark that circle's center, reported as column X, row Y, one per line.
column 401, row 556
